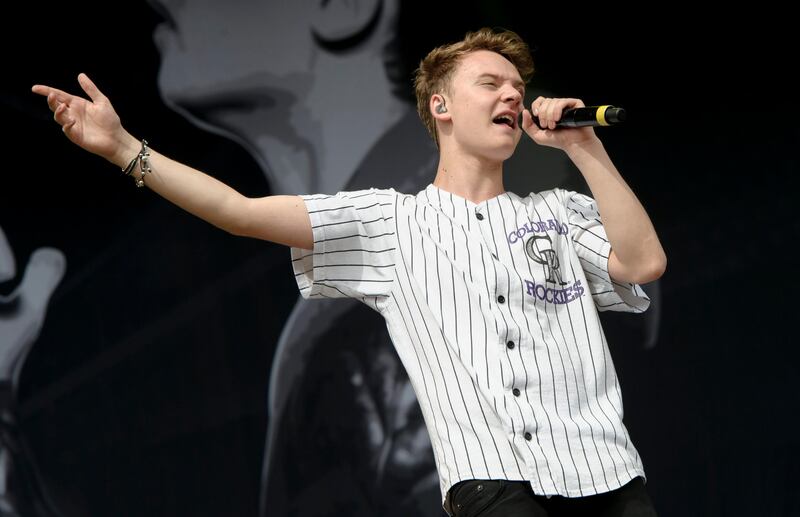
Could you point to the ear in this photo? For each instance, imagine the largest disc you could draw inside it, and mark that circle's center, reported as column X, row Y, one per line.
column 439, row 108
column 340, row 25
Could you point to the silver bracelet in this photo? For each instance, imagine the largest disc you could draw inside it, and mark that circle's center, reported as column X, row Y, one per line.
column 143, row 159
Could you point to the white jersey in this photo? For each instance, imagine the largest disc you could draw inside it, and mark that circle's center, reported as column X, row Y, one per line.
column 492, row 308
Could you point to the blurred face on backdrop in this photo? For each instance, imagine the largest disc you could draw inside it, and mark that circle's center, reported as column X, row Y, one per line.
column 301, row 85
column 484, row 100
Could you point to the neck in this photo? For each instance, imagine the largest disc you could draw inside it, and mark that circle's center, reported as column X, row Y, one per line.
column 468, row 176
column 351, row 123
column 314, row 140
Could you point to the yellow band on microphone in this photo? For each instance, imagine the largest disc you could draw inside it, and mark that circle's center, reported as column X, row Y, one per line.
column 601, row 115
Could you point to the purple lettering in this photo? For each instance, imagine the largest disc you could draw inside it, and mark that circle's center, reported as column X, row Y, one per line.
column 555, row 296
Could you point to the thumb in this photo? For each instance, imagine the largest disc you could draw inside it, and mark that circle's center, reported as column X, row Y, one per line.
column 90, row 88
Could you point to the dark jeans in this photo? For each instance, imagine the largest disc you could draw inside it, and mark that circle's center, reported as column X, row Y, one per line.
column 500, row 498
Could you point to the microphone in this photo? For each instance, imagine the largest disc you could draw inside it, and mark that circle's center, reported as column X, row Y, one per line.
column 589, row 116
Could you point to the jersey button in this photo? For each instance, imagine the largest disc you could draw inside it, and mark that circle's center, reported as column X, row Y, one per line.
column 515, row 391
column 510, row 345
column 501, row 299
column 479, row 216
column 528, row 436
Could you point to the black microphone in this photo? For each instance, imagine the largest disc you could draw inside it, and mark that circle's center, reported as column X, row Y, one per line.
column 589, row 116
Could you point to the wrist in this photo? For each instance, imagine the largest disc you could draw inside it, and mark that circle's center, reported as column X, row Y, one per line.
column 142, row 159
column 126, row 149
column 590, row 146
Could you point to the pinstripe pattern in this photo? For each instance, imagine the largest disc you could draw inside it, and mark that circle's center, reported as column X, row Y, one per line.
column 493, row 311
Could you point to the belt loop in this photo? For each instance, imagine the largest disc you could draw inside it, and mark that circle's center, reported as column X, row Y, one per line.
column 448, row 501
column 448, row 507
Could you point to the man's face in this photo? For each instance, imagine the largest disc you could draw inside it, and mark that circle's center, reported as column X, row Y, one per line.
column 486, row 98
column 221, row 58
column 301, row 85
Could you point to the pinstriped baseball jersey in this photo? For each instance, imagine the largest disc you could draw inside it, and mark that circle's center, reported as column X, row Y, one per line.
column 492, row 308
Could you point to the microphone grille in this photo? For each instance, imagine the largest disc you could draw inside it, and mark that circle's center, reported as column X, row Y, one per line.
column 615, row 115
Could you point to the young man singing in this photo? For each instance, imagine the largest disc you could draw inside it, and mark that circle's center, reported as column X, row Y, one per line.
column 491, row 299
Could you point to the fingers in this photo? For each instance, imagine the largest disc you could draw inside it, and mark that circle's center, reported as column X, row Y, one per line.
column 53, row 102
column 90, row 88
column 60, row 114
column 67, row 127
column 61, row 104
column 62, row 117
column 531, row 123
column 86, row 84
column 549, row 110
column 527, row 120
column 56, row 97
column 47, row 91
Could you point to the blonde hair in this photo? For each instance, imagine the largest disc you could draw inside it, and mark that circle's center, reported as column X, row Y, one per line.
column 435, row 71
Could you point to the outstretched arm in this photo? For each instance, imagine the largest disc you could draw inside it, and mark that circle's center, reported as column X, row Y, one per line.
column 93, row 125
column 636, row 253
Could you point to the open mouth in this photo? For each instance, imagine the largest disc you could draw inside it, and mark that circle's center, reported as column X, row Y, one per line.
column 507, row 120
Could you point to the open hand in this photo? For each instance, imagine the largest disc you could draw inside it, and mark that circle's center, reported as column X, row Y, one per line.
column 91, row 124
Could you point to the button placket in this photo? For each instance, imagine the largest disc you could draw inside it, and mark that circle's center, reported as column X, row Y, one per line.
column 500, row 290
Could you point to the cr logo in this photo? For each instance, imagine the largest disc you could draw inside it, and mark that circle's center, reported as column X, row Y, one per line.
column 545, row 256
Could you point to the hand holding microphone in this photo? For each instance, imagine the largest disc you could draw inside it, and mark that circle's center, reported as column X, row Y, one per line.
column 593, row 116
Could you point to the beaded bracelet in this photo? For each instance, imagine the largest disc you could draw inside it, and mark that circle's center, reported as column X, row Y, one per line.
column 143, row 158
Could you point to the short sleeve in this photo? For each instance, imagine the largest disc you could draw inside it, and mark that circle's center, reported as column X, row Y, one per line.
column 354, row 245
column 592, row 247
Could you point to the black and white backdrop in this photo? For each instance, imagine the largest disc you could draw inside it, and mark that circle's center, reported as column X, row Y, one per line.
column 154, row 365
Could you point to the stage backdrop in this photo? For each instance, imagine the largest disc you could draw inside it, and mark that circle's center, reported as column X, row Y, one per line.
column 151, row 364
